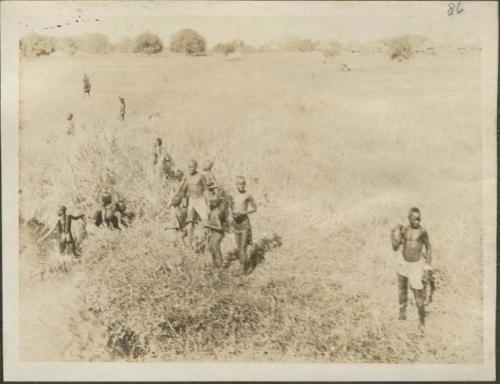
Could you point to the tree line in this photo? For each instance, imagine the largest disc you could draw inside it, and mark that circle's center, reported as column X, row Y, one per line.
column 192, row 43
column 185, row 41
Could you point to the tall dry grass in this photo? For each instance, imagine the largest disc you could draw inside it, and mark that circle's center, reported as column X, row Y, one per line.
column 329, row 177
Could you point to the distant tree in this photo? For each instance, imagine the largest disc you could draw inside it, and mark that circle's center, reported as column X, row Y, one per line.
column 95, row 43
column 188, row 41
column 298, row 44
column 37, row 45
column 233, row 46
column 124, row 45
column 225, row 48
column 330, row 49
column 400, row 48
column 238, row 44
column 147, row 43
column 71, row 45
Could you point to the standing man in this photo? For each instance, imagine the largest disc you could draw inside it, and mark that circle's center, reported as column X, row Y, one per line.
column 71, row 124
column 215, row 227
column 194, row 190
column 157, row 151
column 241, row 205
column 86, row 85
column 412, row 262
column 122, row 108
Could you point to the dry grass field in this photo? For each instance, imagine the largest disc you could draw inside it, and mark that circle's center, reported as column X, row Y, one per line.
column 334, row 159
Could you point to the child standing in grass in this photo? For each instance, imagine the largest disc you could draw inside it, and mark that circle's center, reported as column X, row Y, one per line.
column 412, row 263
column 63, row 227
column 215, row 228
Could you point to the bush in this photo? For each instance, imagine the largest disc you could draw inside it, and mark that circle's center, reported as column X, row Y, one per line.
column 95, row 43
column 225, row 48
column 233, row 46
column 37, row 45
column 148, row 43
column 70, row 45
column 188, row 41
column 125, row 45
column 400, row 48
column 300, row 45
column 330, row 49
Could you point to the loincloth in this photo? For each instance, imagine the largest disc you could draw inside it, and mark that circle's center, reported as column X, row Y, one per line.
column 198, row 206
column 412, row 270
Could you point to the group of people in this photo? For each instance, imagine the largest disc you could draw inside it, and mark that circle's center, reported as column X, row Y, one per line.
column 198, row 199
column 87, row 86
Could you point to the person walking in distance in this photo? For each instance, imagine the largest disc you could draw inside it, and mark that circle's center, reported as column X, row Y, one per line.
column 70, row 125
column 86, row 85
column 412, row 262
column 157, row 151
column 122, row 108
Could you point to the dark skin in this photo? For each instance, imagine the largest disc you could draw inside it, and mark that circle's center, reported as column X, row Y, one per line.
column 157, row 151
column 122, row 108
column 124, row 218
column 413, row 238
column 242, row 205
column 63, row 228
column 216, row 233
column 194, row 187
column 195, row 184
column 110, row 219
column 86, row 85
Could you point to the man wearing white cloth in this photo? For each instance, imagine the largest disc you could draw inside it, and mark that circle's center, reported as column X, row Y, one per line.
column 412, row 262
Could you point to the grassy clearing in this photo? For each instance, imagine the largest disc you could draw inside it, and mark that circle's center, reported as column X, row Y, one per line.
column 333, row 161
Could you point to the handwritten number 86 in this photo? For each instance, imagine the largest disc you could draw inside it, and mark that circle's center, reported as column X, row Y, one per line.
column 454, row 8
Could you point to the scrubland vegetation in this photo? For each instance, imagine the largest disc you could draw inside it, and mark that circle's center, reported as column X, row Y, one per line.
column 333, row 160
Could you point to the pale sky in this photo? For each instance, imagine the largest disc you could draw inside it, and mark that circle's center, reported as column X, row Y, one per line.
column 254, row 22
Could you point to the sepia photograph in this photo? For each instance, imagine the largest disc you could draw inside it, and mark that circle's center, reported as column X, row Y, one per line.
column 257, row 183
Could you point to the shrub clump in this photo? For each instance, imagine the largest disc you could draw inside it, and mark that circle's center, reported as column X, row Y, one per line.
column 148, row 43
column 188, row 41
column 37, row 45
column 401, row 48
column 225, row 48
column 95, row 43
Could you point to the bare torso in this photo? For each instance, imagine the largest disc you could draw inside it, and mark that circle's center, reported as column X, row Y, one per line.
column 240, row 201
column 64, row 227
column 195, row 186
column 413, row 243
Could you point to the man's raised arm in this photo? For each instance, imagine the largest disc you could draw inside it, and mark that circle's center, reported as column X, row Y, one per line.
column 396, row 240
